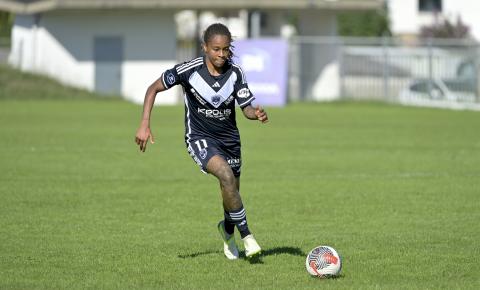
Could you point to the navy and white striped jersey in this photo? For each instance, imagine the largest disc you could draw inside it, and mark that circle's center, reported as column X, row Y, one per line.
column 210, row 100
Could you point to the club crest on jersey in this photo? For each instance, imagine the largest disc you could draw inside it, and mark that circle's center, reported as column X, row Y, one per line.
column 170, row 79
column 243, row 93
column 216, row 99
column 203, row 153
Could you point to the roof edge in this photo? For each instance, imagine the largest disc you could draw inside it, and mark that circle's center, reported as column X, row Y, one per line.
column 46, row 5
column 31, row 8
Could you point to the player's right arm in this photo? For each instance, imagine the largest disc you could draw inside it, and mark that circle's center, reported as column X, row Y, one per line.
column 144, row 133
column 171, row 77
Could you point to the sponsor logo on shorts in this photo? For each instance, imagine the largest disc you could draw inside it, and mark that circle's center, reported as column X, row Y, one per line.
column 234, row 162
column 215, row 113
column 194, row 157
column 243, row 93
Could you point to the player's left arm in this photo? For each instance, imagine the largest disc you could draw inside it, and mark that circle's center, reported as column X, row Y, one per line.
column 244, row 98
column 255, row 113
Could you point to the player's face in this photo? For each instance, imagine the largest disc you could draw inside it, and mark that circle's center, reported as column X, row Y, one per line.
column 217, row 50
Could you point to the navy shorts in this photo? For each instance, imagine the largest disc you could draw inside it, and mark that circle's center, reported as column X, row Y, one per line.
column 202, row 149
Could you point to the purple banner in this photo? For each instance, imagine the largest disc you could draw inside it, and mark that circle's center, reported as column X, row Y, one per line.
column 264, row 62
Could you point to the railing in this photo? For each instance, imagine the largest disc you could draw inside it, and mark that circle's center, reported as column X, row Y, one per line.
column 425, row 72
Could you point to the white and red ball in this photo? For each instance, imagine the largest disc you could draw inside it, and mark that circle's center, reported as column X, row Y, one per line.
column 323, row 262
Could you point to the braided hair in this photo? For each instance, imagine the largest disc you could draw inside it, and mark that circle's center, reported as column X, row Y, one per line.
column 219, row 29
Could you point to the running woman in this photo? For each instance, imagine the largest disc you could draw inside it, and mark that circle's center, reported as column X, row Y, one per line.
column 212, row 84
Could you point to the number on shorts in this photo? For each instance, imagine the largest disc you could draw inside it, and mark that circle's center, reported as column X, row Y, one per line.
column 201, row 144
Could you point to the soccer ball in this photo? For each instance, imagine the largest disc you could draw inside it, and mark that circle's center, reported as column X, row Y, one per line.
column 323, row 262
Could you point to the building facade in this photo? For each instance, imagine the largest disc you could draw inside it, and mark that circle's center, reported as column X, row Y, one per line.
column 120, row 47
column 408, row 16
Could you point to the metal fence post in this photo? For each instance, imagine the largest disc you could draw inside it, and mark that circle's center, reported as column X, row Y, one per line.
column 477, row 72
column 341, row 68
column 430, row 64
column 386, row 75
column 293, row 68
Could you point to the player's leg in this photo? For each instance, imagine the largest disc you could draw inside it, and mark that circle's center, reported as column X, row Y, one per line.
column 250, row 244
column 232, row 202
column 228, row 223
column 218, row 167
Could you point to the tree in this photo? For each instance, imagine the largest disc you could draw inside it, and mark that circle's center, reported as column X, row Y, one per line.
column 6, row 21
column 365, row 23
column 446, row 29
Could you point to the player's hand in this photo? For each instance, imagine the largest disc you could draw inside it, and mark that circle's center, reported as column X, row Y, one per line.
column 142, row 137
column 261, row 114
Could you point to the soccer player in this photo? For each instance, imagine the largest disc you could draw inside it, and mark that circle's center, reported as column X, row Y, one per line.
column 212, row 84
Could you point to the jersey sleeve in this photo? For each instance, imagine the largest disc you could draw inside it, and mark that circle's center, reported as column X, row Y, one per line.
column 172, row 77
column 242, row 92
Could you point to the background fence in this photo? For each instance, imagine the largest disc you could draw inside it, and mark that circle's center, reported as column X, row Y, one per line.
column 428, row 72
column 441, row 73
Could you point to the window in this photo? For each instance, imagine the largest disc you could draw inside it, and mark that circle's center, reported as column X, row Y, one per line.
column 430, row 5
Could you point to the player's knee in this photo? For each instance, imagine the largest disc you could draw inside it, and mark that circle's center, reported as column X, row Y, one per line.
column 226, row 177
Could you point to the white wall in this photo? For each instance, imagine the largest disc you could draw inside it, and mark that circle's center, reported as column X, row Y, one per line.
column 322, row 60
column 63, row 47
column 469, row 10
column 406, row 19
column 23, row 43
column 404, row 16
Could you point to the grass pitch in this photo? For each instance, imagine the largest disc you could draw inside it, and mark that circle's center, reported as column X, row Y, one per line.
column 394, row 189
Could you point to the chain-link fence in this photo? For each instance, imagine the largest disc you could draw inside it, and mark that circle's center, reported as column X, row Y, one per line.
column 442, row 73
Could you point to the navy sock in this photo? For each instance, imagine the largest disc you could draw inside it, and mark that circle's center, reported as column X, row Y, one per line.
column 229, row 225
column 238, row 217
